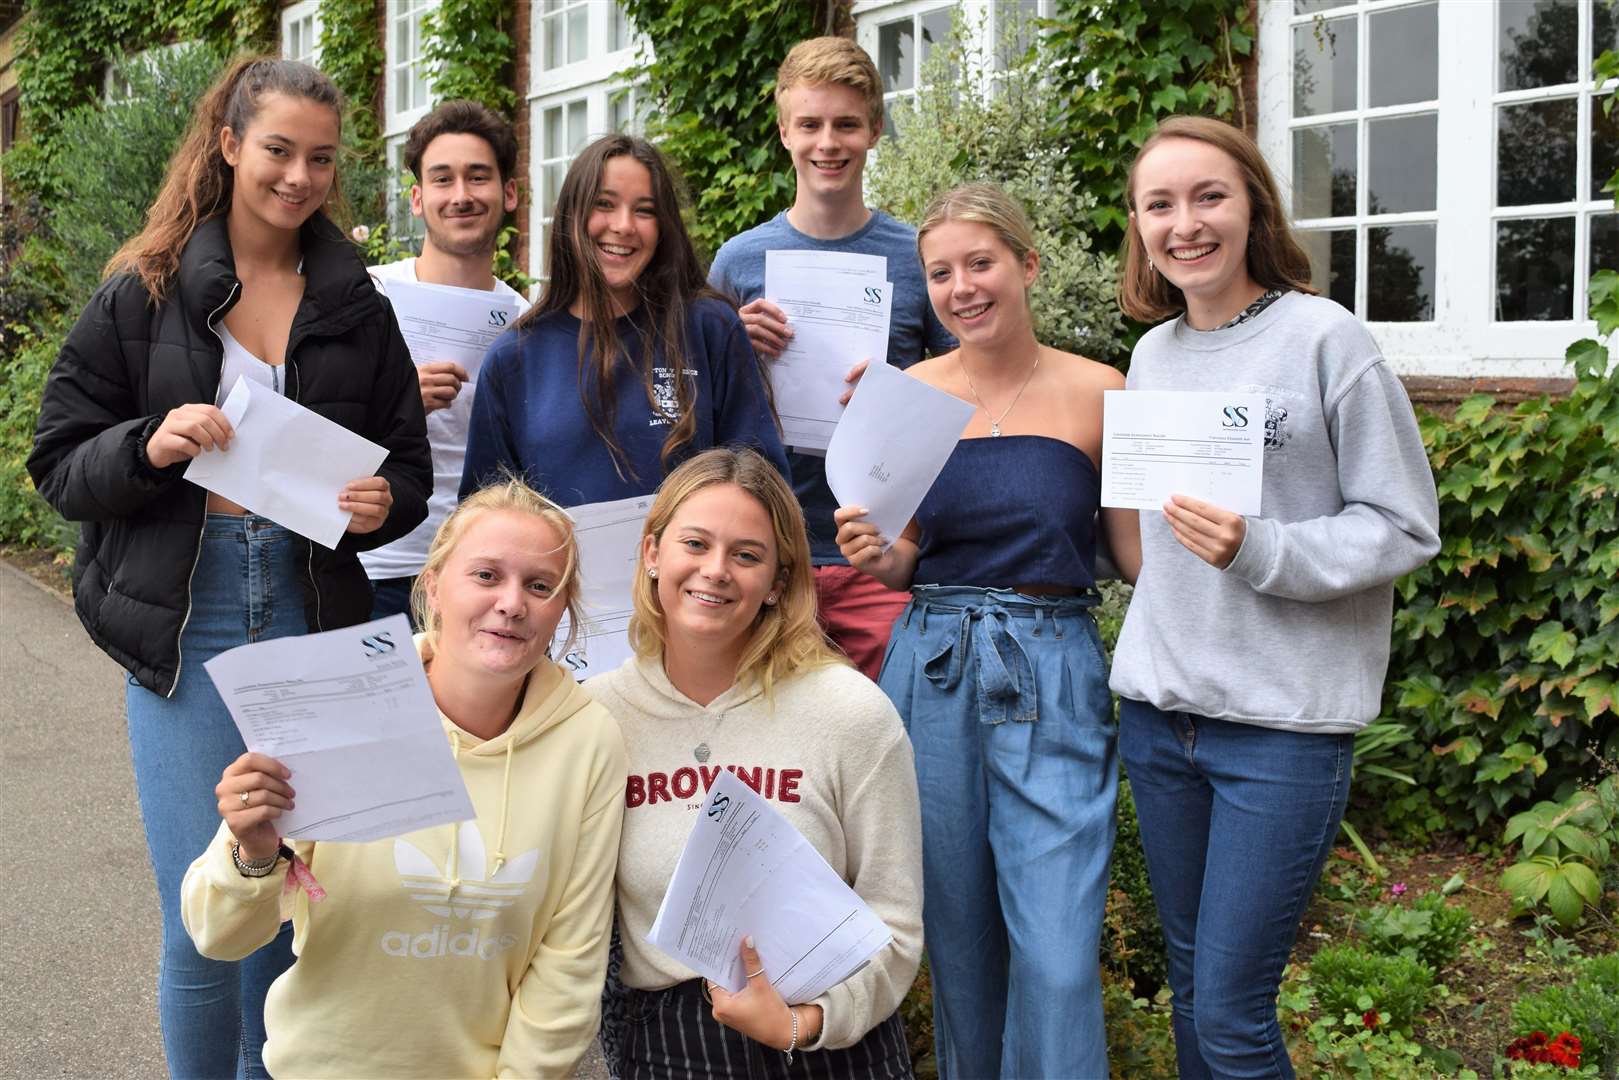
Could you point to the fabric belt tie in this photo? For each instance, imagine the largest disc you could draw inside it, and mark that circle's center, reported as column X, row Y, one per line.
column 1003, row 669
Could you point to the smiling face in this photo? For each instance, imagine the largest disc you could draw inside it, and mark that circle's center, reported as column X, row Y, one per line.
column 717, row 565
column 622, row 227
column 827, row 129
column 1193, row 214
column 497, row 598
column 460, row 196
column 978, row 286
column 284, row 163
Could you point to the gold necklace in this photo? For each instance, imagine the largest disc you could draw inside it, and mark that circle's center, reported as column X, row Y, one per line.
column 995, row 424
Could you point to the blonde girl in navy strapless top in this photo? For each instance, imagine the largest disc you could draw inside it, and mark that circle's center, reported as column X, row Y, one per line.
column 996, row 666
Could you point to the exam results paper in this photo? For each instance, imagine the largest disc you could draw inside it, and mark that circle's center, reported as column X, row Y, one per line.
column 350, row 713
column 608, row 535
column 1158, row 443
column 746, row 871
column 444, row 322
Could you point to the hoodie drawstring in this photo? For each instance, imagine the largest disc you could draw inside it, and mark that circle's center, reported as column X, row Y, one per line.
column 505, row 809
column 453, row 870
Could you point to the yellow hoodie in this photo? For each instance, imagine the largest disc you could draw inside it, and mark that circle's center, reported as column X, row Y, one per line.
column 470, row 950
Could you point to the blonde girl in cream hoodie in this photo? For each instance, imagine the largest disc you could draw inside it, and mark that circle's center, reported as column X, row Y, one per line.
column 463, row 950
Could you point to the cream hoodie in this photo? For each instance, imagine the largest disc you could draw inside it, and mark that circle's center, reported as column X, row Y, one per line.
column 829, row 753
column 470, row 950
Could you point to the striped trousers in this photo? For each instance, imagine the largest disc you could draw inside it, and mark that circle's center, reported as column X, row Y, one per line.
column 672, row 1035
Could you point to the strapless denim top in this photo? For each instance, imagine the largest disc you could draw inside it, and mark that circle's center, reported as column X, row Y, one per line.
column 1014, row 510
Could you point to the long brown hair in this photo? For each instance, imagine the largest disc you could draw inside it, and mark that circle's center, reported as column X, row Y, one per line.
column 672, row 282
column 1276, row 260
column 786, row 637
column 199, row 182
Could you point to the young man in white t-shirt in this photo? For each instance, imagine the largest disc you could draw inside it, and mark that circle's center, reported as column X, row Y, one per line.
column 463, row 157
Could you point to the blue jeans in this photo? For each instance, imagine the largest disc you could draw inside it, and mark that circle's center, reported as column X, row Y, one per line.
column 391, row 596
column 244, row 588
column 1005, row 698
column 1236, row 821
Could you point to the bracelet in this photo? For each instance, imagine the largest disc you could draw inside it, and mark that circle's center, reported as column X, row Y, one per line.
column 254, row 867
column 793, row 1044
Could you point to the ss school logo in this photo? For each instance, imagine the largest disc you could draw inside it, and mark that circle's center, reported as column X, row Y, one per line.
column 497, row 319
column 1234, row 416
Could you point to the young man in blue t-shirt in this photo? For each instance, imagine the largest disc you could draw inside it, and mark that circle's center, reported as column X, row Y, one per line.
column 829, row 105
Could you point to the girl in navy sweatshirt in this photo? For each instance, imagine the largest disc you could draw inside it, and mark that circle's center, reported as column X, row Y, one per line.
column 629, row 363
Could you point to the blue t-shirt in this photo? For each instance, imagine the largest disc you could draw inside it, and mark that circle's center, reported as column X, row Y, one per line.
column 529, row 418
column 914, row 330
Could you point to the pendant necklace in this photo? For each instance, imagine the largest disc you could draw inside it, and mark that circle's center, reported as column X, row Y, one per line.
column 995, row 422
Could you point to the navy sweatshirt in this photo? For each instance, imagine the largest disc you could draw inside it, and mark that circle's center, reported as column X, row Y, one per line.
column 529, row 417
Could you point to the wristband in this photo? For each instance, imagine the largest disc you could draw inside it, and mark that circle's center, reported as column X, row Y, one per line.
column 254, row 868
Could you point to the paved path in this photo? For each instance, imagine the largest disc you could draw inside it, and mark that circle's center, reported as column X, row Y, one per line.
column 78, row 953
column 79, row 944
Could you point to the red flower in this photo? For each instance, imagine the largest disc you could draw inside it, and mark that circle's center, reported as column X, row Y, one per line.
column 1369, row 1018
column 1565, row 1050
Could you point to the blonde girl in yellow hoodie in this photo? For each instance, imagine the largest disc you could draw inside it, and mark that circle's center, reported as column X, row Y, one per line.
column 463, row 950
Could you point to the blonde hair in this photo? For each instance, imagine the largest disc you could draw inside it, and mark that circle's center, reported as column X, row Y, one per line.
column 786, row 637
column 984, row 204
column 836, row 61
column 509, row 494
column 1276, row 260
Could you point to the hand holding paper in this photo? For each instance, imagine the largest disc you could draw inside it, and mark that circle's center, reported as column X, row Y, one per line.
column 1158, row 443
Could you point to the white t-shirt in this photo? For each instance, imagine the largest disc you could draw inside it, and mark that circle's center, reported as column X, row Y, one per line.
column 447, row 435
column 239, row 363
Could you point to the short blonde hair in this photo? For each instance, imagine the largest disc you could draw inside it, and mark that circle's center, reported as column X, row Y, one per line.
column 984, row 204
column 836, row 61
column 512, row 494
column 786, row 638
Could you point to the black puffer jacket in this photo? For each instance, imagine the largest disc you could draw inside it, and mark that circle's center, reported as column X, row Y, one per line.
column 127, row 362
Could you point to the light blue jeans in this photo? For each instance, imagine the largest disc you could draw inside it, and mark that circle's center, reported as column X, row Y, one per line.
column 245, row 588
column 1236, row 822
column 1005, row 698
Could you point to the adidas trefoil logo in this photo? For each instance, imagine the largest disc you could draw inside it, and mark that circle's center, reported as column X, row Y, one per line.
column 478, row 896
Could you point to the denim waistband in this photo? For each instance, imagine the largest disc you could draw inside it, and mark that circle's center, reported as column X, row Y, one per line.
column 981, row 625
column 250, row 528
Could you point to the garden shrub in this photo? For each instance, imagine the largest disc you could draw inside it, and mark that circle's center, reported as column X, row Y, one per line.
column 1428, row 930
column 1588, row 1006
column 957, row 129
column 1352, row 979
column 1133, row 941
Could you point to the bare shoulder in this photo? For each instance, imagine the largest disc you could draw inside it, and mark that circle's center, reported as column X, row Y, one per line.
column 1083, row 374
column 935, row 370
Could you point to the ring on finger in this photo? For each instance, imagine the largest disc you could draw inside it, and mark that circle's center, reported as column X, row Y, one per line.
column 245, row 796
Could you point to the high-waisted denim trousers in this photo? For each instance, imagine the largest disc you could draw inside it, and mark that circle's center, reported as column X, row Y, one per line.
column 245, row 588
column 1236, row 822
column 1005, row 698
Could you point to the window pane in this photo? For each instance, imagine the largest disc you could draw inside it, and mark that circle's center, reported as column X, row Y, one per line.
column 1604, row 147
column 553, row 132
column 1399, row 273
column 896, row 55
column 1534, row 269
column 1310, row 7
column 1016, row 16
column 1604, row 27
column 618, row 36
column 551, row 185
column 1332, row 263
column 1324, row 67
column 1537, row 42
column 578, row 127
column 1604, row 242
column 551, row 29
column 1324, row 171
column 578, row 34
column 1535, row 152
column 1404, row 55
column 1403, row 163
column 935, row 30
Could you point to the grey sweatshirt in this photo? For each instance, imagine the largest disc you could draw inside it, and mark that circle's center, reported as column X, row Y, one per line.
column 1294, row 634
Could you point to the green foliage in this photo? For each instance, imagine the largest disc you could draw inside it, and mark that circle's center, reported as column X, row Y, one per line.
column 1428, row 930
column 470, row 47
column 351, row 53
column 954, row 131
column 1133, row 941
column 713, row 72
column 1349, row 979
column 1588, row 1005
column 1120, row 68
column 25, row 518
column 1566, row 848
column 1140, row 1039
column 1355, row 1043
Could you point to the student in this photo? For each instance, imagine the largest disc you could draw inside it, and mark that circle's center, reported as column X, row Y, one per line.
column 829, row 104
column 474, row 949
column 464, row 159
column 997, row 667
column 237, row 273
column 732, row 671
column 630, row 363
column 1255, row 647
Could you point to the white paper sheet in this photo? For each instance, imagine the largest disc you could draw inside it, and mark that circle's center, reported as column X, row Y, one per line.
column 350, row 713
column 838, row 306
column 286, row 463
column 745, row 870
column 442, row 322
column 891, row 444
column 609, row 538
column 1158, row 443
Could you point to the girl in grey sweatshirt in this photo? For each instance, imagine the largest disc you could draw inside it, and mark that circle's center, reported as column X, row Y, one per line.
column 1254, row 648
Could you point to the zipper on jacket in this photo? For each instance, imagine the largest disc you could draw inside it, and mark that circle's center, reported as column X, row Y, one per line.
column 309, row 562
column 179, row 651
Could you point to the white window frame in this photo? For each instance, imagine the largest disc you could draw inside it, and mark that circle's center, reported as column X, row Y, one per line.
column 595, row 80
column 1463, row 339
column 398, row 117
column 307, row 13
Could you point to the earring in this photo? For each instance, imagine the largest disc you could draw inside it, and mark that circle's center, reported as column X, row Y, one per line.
column 771, row 600
column 1150, row 266
column 652, row 571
